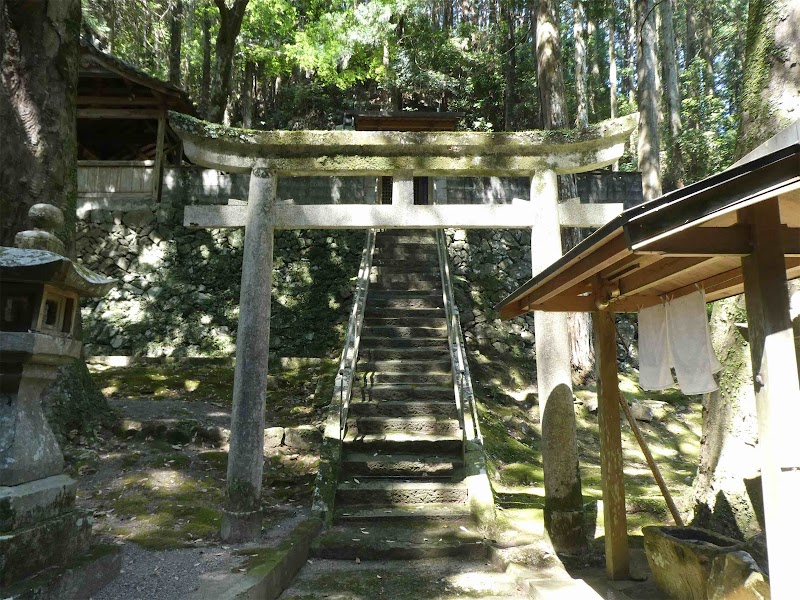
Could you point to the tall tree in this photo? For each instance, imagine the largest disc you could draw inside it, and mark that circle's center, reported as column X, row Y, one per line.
column 648, row 143
column 728, row 450
column 581, row 62
column 230, row 23
column 612, row 66
column 175, row 29
column 205, row 81
column 38, row 111
column 672, row 98
column 562, row 483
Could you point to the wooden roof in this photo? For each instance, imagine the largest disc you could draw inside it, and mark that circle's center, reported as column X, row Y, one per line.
column 406, row 121
column 108, row 85
column 671, row 245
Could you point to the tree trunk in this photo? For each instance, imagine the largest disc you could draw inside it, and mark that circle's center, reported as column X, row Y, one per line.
column 38, row 112
column 38, row 159
column 648, row 143
column 230, row 23
column 175, row 26
column 632, row 46
column 561, row 475
column 612, row 68
column 707, row 46
column 248, row 94
column 594, row 49
column 205, row 83
column 674, row 171
column 581, row 78
column 729, row 455
column 510, row 65
column 690, row 51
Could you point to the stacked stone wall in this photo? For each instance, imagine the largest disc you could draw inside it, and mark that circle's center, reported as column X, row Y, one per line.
column 178, row 292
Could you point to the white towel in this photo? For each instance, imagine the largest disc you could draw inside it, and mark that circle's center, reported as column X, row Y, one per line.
column 676, row 335
column 690, row 344
column 654, row 352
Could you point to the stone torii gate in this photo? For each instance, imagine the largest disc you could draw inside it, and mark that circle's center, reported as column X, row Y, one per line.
column 267, row 155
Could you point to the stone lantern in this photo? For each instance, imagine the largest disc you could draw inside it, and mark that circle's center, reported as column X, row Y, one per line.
column 39, row 292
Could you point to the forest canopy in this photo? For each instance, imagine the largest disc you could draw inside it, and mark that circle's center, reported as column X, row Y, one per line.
column 300, row 64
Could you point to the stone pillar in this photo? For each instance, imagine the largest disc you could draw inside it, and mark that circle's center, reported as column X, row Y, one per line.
column 241, row 518
column 403, row 190
column 562, row 483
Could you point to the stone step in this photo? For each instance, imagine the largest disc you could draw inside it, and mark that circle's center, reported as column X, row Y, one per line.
column 405, row 247
column 407, row 513
column 422, row 424
column 393, row 492
column 370, row 341
column 368, row 379
column 406, row 332
column 399, row 465
column 402, row 313
column 397, row 408
column 400, row 265
column 404, row 393
column 407, row 279
column 403, row 443
column 405, row 540
column 425, row 284
column 384, row 321
column 402, row 293
column 403, row 365
column 381, row 304
column 423, row 352
column 400, row 236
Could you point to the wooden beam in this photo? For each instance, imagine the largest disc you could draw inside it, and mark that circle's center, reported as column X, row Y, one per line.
column 611, row 459
column 117, row 113
column 109, row 101
column 158, row 165
column 775, row 375
column 581, row 269
column 718, row 241
column 656, row 273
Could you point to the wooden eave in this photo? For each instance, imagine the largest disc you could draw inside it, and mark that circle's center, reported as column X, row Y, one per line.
column 406, row 121
column 108, row 87
column 666, row 248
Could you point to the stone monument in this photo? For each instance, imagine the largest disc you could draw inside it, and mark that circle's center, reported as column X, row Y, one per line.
column 45, row 541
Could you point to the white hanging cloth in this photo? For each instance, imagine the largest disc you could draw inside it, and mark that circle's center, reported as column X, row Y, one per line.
column 675, row 334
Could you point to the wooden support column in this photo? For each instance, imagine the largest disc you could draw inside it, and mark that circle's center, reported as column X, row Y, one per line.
column 241, row 520
column 775, row 380
column 158, row 163
column 611, row 473
column 563, row 512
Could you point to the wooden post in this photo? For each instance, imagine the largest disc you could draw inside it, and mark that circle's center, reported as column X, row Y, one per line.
column 777, row 391
column 241, row 517
column 611, row 473
column 158, row 163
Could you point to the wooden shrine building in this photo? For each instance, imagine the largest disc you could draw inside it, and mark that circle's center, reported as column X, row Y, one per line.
column 737, row 231
column 124, row 139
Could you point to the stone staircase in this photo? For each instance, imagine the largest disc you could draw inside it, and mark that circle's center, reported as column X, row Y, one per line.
column 403, row 452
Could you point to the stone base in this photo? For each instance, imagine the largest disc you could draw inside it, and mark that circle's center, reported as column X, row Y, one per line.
column 566, row 530
column 78, row 580
column 240, row 526
column 26, row 504
column 49, row 543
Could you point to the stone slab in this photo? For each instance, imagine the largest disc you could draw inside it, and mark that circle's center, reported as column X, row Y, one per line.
column 23, row 505
column 47, row 544
column 266, row 578
column 79, row 580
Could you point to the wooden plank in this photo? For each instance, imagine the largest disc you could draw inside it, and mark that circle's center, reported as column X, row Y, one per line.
column 656, row 273
column 718, row 241
column 117, row 113
column 158, row 167
column 581, row 269
column 611, row 459
column 775, row 374
column 109, row 101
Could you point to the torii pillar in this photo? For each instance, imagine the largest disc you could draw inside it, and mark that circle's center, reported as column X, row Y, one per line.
column 241, row 516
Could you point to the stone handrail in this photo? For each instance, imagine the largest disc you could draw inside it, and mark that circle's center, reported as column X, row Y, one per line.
column 336, row 424
column 462, row 381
